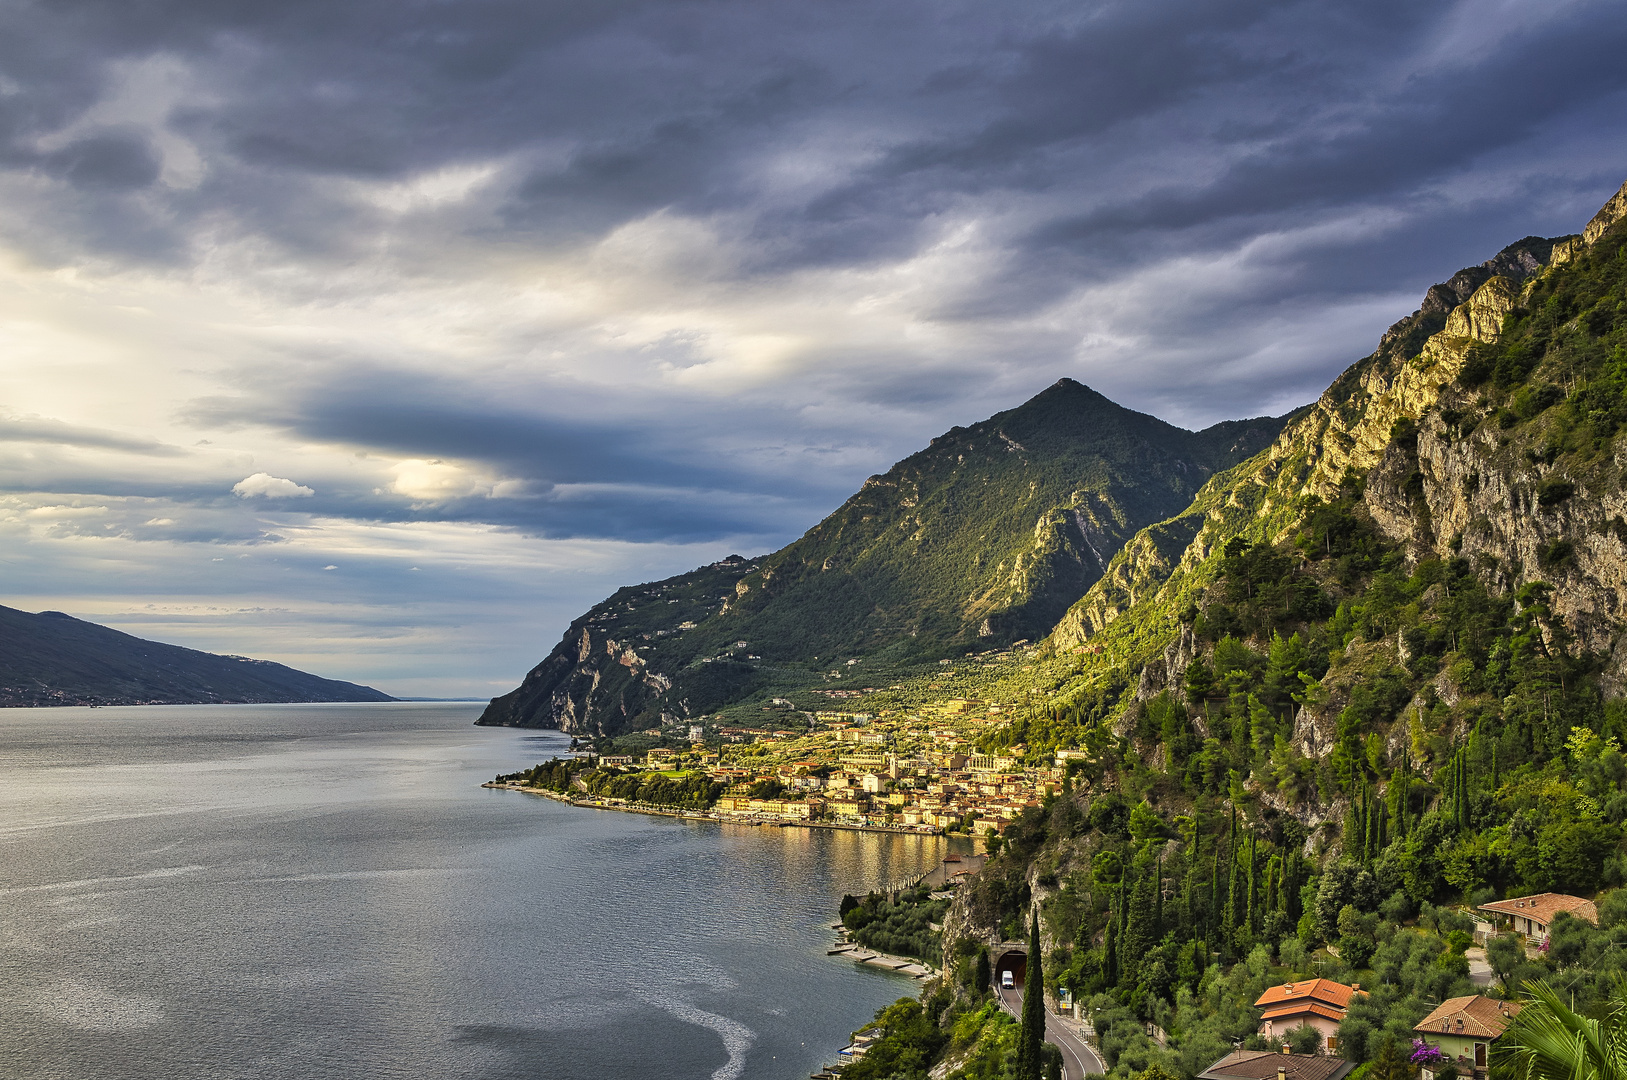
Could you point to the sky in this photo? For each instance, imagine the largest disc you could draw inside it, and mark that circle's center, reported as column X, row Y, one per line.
column 384, row 338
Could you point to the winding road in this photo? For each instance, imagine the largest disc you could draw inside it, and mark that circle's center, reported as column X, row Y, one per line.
column 1077, row 1057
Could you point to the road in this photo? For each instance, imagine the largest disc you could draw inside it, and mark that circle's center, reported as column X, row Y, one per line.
column 1077, row 1057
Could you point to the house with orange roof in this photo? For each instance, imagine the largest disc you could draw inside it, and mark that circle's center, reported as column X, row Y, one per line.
column 1270, row 1065
column 1319, row 1003
column 1465, row 1027
column 1532, row 915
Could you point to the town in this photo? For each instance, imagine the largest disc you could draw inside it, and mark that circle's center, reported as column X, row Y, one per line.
column 917, row 771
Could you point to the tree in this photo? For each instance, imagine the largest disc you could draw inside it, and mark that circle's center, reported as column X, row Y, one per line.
column 1548, row 1041
column 1390, row 1063
column 1505, row 953
column 1031, row 1036
column 1110, row 951
column 1303, row 1039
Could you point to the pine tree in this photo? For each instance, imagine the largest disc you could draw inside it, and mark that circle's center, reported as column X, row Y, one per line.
column 1031, row 1036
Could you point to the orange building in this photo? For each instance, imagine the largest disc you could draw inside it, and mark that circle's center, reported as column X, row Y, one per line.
column 1319, row 1003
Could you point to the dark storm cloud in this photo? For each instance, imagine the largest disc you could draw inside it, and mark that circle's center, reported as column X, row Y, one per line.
column 1194, row 144
column 577, row 477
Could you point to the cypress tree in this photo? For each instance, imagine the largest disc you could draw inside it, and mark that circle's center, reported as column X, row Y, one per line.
column 1031, row 1036
column 1463, row 790
column 1229, row 920
column 1290, row 889
column 1235, row 899
column 1458, row 810
column 1404, row 798
column 1110, row 950
column 1212, row 916
column 1371, row 843
column 1158, row 902
column 1252, row 918
column 1191, row 928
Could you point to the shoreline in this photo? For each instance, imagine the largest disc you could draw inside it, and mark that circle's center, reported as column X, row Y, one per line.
column 713, row 815
column 918, row 971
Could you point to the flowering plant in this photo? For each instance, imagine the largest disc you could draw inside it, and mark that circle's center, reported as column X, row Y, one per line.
column 1425, row 1053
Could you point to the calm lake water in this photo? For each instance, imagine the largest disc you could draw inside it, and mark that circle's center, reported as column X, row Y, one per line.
column 326, row 892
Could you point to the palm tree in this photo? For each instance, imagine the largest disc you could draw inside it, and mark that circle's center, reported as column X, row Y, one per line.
column 1549, row 1040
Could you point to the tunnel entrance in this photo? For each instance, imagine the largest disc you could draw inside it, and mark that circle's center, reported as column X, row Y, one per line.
column 1014, row 961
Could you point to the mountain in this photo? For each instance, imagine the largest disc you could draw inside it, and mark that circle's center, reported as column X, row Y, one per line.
column 984, row 538
column 54, row 659
column 1482, row 428
column 1368, row 679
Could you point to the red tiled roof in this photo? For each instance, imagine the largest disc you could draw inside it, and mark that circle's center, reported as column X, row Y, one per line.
column 1301, row 1008
column 1263, row 1065
column 1476, row 1017
column 1324, row 990
column 1544, row 906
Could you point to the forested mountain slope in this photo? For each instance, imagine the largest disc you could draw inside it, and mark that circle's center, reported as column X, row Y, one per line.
column 984, row 538
column 1367, row 680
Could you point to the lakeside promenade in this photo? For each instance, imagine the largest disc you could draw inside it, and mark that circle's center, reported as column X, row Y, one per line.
column 715, row 815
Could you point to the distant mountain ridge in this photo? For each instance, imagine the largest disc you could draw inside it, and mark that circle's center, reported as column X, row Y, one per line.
column 984, row 538
column 54, row 659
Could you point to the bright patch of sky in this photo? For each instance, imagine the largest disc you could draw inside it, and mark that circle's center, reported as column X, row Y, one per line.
column 382, row 340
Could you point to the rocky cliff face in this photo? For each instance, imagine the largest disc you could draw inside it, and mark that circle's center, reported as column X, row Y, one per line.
column 600, row 678
column 1444, row 473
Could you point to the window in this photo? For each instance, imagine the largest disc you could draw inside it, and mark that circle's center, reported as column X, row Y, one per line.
column 1333, row 1042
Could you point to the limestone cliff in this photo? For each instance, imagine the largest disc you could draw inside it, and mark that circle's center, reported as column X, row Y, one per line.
column 1450, row 464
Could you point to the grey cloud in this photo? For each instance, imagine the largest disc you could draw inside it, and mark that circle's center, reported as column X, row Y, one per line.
column 1087, row 143
column 40, row 430
column 113, row 160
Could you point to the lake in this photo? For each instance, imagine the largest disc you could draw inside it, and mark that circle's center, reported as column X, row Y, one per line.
column 325, row 891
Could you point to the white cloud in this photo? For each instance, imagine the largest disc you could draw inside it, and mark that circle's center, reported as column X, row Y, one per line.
column 436, row 481
column 270, row 487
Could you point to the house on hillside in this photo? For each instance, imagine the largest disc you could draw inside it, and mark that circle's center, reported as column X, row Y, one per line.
column 1532, row 915
column 1464, row 1029
column 1266, row 1065
column 1319, row 1003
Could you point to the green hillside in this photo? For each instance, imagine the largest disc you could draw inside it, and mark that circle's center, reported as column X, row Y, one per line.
column 1368, row 680
column 982, row 539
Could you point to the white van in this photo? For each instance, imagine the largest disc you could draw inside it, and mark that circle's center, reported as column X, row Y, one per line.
column 1006, row 981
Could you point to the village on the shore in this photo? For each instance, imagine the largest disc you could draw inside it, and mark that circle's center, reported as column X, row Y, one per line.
column 916, row 772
